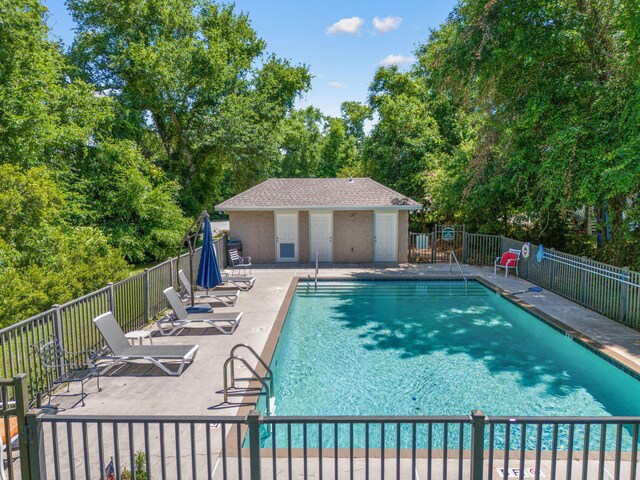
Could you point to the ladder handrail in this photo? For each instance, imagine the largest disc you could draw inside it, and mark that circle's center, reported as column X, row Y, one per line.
column 316, row 275
column 269, row 375
column 452, row 256
column 257, row 377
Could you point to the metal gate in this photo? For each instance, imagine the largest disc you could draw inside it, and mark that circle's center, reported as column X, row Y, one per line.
column 436, row 245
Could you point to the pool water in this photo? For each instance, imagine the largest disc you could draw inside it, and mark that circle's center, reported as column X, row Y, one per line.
column 431, row 348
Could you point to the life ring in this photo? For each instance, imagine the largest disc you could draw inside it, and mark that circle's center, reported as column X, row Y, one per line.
column 526, row 250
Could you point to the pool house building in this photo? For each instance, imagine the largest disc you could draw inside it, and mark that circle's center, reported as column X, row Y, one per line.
column 354, row 220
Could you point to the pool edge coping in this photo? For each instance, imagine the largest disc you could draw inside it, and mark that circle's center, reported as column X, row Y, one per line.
column 619, row 361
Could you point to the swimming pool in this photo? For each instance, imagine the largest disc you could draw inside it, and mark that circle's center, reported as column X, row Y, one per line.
column 429, row 348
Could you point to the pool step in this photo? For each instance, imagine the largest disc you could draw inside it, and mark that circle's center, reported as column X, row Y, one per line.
column 432, row 290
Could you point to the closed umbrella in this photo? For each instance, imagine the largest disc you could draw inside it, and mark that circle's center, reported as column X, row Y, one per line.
column 208, row 270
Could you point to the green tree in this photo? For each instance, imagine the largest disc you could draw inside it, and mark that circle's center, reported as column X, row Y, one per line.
column 301, row 140
column 401, row 143
column 43, row 259
column 193, row 73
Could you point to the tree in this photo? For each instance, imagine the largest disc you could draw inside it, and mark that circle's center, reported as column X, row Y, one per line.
column 43, row 259
column 398, row 150
column 190, row 71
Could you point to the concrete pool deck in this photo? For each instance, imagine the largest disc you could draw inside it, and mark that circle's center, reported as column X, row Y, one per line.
column 142, row 389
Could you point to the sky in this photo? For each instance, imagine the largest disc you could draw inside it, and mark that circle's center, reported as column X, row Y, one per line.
column 342, row 42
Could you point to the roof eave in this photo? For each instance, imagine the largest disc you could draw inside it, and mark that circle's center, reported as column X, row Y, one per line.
column 221, row 208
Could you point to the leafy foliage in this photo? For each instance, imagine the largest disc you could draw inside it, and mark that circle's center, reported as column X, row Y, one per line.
column 189, row 72
column 43, row 259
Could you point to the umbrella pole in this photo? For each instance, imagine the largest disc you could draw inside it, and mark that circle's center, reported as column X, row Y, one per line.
column 193, row 293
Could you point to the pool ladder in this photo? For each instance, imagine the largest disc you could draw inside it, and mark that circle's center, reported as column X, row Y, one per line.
column 452, row 257
column 230, row 387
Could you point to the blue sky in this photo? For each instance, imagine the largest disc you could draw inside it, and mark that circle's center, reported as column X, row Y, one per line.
column 342, row 42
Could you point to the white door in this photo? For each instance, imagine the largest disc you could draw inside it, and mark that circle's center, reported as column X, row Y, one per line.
column 287, row 237
column 320, row 234
column 385, row 237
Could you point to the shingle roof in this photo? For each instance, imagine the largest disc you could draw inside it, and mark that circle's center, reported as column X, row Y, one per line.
column 318, row 193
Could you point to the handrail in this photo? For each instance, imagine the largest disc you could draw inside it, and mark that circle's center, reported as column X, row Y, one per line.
column 258, row 357
column 452, row 256
column 257, row 377
column 315, row 279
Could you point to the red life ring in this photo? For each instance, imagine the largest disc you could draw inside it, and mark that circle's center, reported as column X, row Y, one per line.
column 526, row 250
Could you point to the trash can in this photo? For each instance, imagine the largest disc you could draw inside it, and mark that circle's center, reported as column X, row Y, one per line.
column 235, row 244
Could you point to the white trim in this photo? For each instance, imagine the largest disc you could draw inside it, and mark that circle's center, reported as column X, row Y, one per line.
column 320, row 208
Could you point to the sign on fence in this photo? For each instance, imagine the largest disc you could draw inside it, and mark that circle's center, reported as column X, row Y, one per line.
column 448, row 234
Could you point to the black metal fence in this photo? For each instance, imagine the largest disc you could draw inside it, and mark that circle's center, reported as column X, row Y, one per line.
column 465, row 447
column 612, row 291
column 135, row 301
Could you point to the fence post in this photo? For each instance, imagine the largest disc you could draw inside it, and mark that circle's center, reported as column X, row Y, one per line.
column 22, row 405
column 254, row 420
column 35, row 447
column 464, row 245
column 624, row 295
column 146, row 295
column 583, row 284
column 57, row 332
column 477, row 444
column 112, row 299
column 434, row 238
column 552, row 269
column 170, row 272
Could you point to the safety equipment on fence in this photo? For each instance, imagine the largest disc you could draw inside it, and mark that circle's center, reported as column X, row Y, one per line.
column 540, row 254
column 526, row 250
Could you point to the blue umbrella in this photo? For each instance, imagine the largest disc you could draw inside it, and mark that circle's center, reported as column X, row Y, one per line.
column 208, row 270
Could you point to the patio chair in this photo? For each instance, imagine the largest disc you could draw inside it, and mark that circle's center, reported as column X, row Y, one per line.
column 61, row 366
column 243, row 282
column 238, row 262
column 226, row 296
column 508, row 260
column 223, row 322
column 122, row 351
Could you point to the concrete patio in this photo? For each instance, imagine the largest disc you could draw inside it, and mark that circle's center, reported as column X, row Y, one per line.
column 144, row 390
column 141, row 389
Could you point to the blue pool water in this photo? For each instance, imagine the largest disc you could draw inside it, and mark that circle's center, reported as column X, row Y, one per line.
column 427, row 348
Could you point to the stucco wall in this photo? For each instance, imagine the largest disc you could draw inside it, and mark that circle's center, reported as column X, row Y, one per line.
column 352, row 237
column 403, row 236
column 303, row 236
column 256, row 230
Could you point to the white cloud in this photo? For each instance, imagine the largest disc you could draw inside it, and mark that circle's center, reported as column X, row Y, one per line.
column 346, row 25
column 396, row 60
column 386, row 24
column 336, row 84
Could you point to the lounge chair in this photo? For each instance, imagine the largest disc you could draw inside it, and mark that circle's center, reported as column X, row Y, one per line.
column 224, row 322
column 226, row 296
column 238, row 262
column 508, row 259
column 122, row 351
column 242, row 282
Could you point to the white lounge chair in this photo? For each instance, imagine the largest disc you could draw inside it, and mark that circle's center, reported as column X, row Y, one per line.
column 243, row 282
column 226, row 296
column 224, row 322
column 122, row 351
column 508, row 260
column 238, row 262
